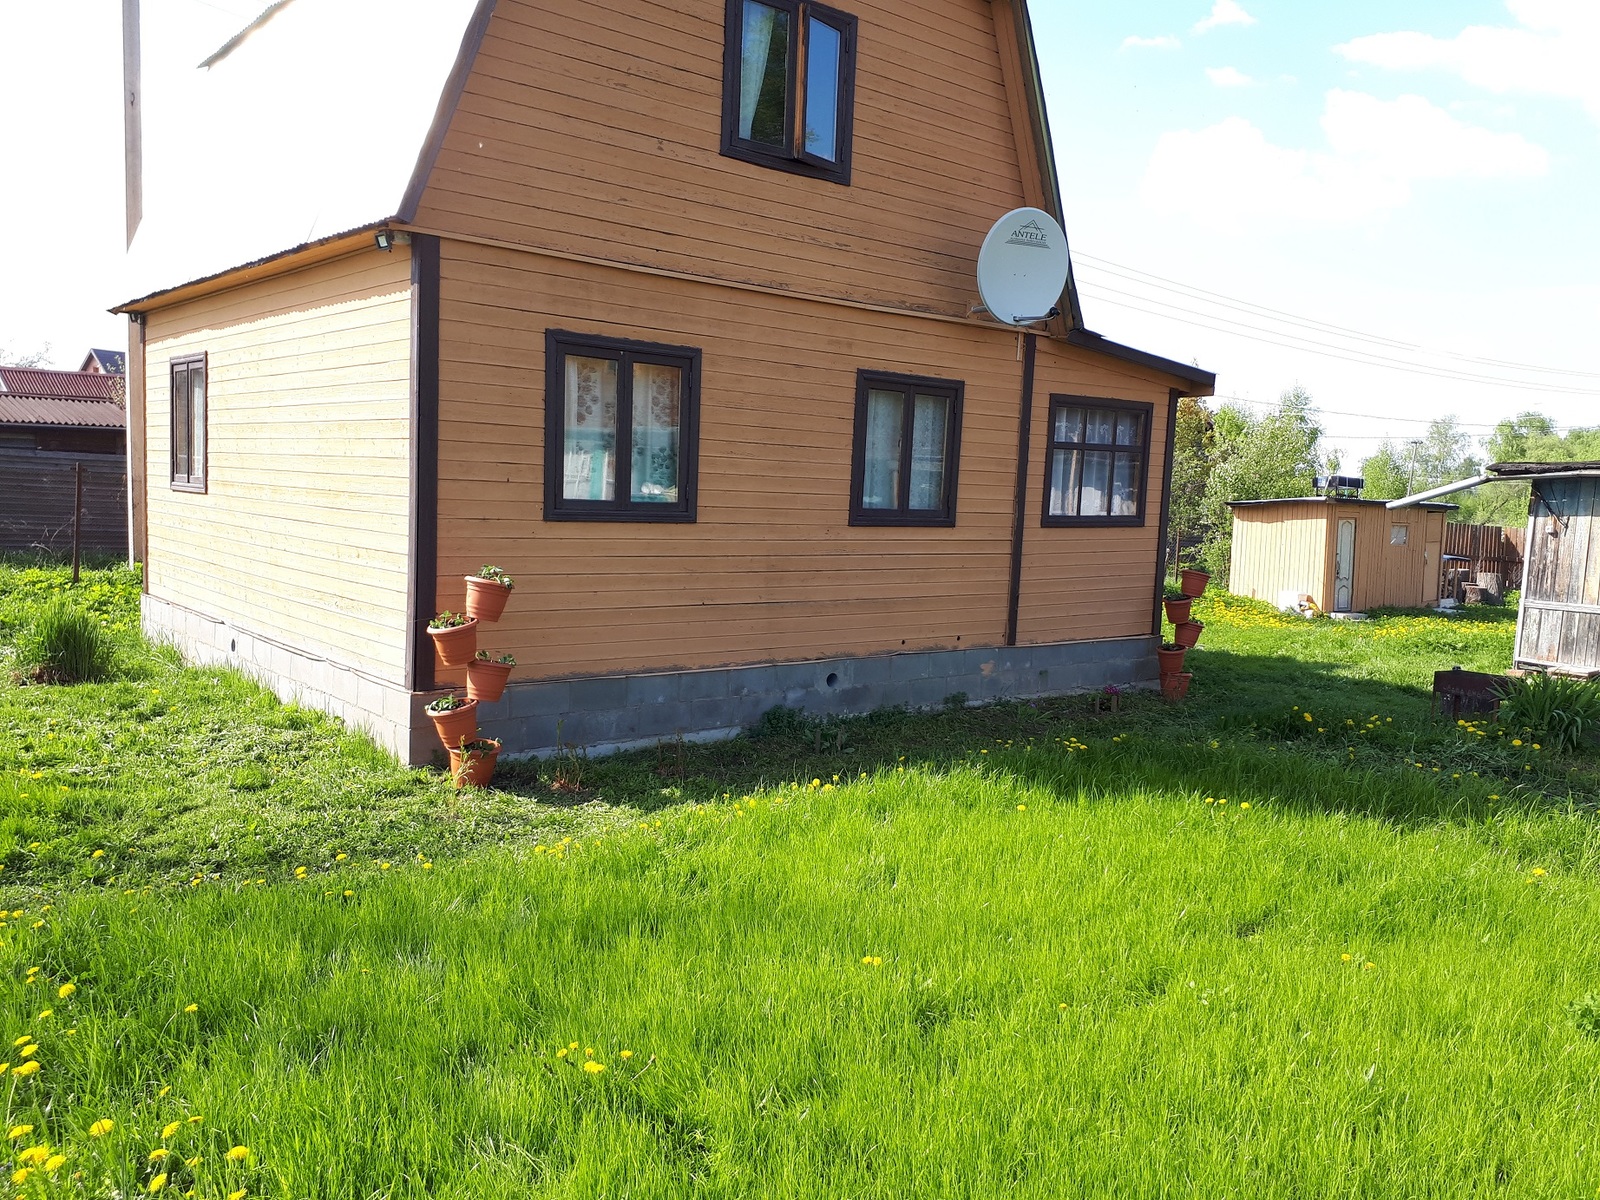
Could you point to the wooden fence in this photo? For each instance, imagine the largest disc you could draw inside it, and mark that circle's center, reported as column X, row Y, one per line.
column 1487, row 548
column 37, row 488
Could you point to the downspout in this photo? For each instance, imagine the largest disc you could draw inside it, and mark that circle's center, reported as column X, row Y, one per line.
column 1173, row 396
column 1024, row 434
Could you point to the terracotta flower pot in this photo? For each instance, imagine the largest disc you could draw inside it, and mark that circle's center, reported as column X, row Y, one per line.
column 1176, row 687
column 455, row 647
column 486, row 599
column 1193, row 583
column 1171, row 659
column 486, row 681
column 1187, row 634
column 1178, row 610
column 474, row 767
column 456, row 725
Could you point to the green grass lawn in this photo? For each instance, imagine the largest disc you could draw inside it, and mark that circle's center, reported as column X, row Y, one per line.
column 1214, row 950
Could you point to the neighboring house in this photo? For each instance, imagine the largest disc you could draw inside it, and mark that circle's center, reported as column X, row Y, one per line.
column 679, row 333
column 104, row 362
column 51, row 424
column 1343, row 553
column 1558, row 621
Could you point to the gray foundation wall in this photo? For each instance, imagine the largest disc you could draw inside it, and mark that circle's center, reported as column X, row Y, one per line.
column 386, row 711
column 621, row 712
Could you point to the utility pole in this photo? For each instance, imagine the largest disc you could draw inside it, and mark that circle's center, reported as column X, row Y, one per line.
column 1411, row 469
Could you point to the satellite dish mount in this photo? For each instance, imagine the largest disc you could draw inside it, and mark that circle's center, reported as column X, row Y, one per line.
column 1022, row 268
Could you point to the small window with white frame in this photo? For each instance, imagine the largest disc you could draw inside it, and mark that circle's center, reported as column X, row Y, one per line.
column 187, row 397
column 1399, row 535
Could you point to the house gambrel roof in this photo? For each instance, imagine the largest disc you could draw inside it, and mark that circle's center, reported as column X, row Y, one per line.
column 234, row 178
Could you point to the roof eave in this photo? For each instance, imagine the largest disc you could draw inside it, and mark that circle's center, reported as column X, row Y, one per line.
column 1202, row 382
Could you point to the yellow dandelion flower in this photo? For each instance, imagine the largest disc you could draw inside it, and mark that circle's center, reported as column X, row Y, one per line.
column 30, row 1050
column 340, row 857
column 34, row 1155
column 164, row 1090
column 189, row 1008
column 23, row 1040
column 192, row 1162
column 593, row 1068
column 572, row 1045
column 196, row 1119
column 1344, row 958
column 1536, row 871
column 238, row 1154
column 19, row 1131
column 1516, row 741
column 55, row 1162
column 159, row 1182
column 563, row 1052
column 239, row 1195
column 626, row 1054
column 4, row 1067
column 20, row 1175
column 66, row 989
column 1368, row 966
column 158, row 1154
column 170, row 1129
column 98, row 854
column 1022, row 808
column 383, row 866
column 102, row 1127
column 1245, row 804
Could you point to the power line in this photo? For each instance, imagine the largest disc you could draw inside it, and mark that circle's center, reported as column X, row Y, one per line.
column 1362, row 358
column 1162, row 283
column 1335, row 412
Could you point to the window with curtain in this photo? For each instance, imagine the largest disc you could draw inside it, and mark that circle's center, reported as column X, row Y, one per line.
column 620, row 429
column 907, row 446
column 188, row 422
column 1099, row 454
column 788, row 85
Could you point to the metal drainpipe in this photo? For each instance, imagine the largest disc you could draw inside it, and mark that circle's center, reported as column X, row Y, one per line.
column 1024, row 434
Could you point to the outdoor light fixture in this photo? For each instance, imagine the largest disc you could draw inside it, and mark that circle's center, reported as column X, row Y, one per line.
column 384, row 240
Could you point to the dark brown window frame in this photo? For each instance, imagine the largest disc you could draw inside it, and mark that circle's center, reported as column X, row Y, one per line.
column 792, row 156
column 192, row 481
column 1058, row 402
column 558, row 344
column 955, row 391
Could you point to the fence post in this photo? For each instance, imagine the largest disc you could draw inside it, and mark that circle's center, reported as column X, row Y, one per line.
column 77, row 516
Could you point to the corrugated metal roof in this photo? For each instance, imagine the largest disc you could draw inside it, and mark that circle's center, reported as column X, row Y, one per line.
column 53, row 410
column 60, row 385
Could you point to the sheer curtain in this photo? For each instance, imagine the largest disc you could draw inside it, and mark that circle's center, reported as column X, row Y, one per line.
column 589, row 457
column 657, row 403
column 758, row 24
column 930, row 419
column 880, row 482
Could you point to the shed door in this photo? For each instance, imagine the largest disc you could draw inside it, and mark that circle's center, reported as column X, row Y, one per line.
column 1430, row 572
column 1344, row 566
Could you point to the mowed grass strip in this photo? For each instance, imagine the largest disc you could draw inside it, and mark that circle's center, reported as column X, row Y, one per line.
column 1001, row 980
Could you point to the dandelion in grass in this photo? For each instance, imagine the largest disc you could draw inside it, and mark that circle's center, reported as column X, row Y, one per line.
column 34, row 1155
column 158, row 1154
column 563, row 1052
column 1368, row 966
column 19, row 1131
column 20, row 1175
column 1538, row 873
column 29, row 1050
column 191, row 1008
column 66, row 989
column 54, row 1163
column 239, row 1195
column 239, row 1154
column 159, row 1182
column 625, row 1054
column 102, row 1127
column 1022, row 808
column 340, row 857
column 196, row 1119
column 1345, row 958
column 167, row 1088
column 1244, row 804
column 46, row 1015
column 98, row 854
column 169, row 1129
column 593, row 1068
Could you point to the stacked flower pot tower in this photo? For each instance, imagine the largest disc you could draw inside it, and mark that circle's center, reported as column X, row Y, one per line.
column 1185, row 633
column 455, row 644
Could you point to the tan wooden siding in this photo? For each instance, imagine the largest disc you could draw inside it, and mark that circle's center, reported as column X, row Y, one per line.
column 303, row 532
column 771, row 570
column 1280, row 548
column 596, row 130
column 1089, row 583
column 1386, row 575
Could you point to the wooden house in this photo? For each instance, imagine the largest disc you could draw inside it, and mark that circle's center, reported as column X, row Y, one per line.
column 666, row 309
column 1346, row 554
column 63, row 436
column 1558, row 621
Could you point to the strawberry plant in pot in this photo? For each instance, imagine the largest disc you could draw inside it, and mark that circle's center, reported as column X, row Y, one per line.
column 472, row 762
column 1177, row 605
column 487, row 592
column 1188, row 634
column 486, row 676
column 1193, row 583
column 455, row 638
column 454, row 718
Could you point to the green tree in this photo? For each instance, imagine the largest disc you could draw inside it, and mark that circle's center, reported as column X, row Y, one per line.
column 1270, row 457
column 1191, row 471
column 1442, row 455
column 1528, row 437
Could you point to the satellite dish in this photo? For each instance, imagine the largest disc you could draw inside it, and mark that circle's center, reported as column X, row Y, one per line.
column 1022, row 268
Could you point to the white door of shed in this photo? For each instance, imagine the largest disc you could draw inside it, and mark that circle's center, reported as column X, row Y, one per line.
column 1344, row 566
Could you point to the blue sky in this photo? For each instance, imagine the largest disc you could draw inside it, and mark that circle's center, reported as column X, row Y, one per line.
column 1422, row 171
column 1426, row 172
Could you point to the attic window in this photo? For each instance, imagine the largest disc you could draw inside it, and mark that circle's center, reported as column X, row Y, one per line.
column 788, row 86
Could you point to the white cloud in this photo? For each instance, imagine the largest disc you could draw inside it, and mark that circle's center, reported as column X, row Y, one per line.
column 1552, row 52
column 1164, row 42
column 1225, row 12
column 1228, row 77
column 1376, row 150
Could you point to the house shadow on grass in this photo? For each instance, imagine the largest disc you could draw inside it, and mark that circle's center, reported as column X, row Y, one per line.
column 1268, row 728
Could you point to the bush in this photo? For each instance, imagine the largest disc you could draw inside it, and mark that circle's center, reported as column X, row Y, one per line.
column 64, row 644
column 1558, row 711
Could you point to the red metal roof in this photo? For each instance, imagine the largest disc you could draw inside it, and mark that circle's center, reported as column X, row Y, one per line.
column 32, row 396
column 63, row 385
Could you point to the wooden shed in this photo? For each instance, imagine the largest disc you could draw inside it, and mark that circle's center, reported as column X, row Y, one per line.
column 1345, row 553
column 678, row 332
